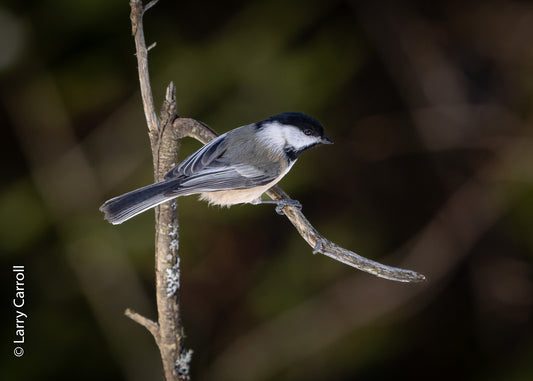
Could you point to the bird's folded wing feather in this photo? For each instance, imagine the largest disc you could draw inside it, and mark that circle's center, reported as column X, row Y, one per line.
column 207, row 170
column 199, row 160
column 239, row 176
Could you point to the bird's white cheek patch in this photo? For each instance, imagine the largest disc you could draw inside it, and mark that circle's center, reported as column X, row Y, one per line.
column 277, row 136
column 297, row 139
column 273, row 136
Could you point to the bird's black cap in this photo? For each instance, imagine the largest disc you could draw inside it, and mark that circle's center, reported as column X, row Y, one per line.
column 297, row 119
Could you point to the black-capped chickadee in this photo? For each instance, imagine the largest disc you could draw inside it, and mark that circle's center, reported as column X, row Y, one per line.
column 236, row 167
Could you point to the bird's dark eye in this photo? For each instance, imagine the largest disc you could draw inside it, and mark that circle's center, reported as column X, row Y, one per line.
column 308, row 131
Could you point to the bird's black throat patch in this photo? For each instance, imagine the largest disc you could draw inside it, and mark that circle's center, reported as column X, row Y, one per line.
column 293, row 153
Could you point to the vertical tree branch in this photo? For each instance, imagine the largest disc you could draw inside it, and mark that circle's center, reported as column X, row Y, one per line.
column 166, row 242
column 164, row 141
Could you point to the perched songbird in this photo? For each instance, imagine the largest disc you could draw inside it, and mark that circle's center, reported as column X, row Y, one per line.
column 235, row 168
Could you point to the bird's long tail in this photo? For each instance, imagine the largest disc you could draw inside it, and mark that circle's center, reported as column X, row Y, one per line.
column 122, row 208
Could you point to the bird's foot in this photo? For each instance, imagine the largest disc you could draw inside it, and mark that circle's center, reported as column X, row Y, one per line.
column 280, row 204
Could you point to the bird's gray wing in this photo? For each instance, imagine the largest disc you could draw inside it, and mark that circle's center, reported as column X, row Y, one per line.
column 219, row 178
column 208, row 170
column 200, row 160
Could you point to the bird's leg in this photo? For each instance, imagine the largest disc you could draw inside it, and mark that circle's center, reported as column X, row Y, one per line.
column 280, row 204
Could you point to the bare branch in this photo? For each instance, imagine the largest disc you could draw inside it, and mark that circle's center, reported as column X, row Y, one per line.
column 165, row 145
column 326, row 247
column 150, row 325
column 150, row 5
column 202, row 133
column 136, row 15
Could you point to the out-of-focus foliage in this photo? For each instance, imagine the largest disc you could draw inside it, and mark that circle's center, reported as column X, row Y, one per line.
column 430, row 107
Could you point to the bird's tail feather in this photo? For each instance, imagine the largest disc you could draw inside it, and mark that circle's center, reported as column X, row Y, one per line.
column 122, row 208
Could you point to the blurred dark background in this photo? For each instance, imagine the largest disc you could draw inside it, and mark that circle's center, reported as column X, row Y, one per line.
column 430, row 107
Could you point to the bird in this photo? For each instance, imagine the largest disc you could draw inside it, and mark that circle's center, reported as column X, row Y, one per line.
column 234, row 168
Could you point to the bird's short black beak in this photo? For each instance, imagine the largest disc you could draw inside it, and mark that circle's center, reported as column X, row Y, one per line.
column 326, row 141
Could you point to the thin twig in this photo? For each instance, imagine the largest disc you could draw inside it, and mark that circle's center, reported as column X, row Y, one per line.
column 149, row 5
column 326, row 247
column 136, row 15
column 150, row 325
column 202, row 133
